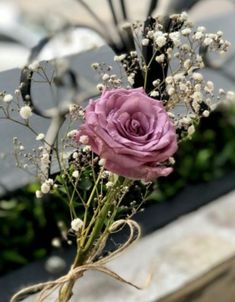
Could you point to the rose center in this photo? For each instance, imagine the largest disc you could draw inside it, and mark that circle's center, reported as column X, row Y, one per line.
column 135, row 126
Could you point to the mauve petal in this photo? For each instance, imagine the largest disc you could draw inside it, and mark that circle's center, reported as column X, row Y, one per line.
column 140, row 116
column 153, row 173
column 137, row 104
column 135, row 172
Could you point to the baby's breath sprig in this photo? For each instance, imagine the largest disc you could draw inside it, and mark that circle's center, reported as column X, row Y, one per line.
column 168, row 62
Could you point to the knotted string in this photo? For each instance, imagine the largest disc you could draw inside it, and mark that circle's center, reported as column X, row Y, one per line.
column 47, row 288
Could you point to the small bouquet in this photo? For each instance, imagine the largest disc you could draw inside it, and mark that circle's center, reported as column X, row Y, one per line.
column 125, row 140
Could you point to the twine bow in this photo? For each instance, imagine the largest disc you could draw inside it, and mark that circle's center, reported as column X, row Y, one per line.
column 46, row 288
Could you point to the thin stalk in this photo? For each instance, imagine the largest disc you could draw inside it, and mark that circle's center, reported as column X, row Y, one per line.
column 83, row 254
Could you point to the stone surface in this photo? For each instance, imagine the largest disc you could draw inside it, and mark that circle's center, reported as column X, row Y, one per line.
column 191, row 259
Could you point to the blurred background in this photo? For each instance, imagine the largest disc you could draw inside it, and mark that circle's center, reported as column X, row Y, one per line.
column 23, row 23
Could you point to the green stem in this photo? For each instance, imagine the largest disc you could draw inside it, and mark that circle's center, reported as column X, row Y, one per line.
column 84, row 253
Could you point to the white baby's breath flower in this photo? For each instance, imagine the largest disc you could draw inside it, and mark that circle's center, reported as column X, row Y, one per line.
column 73, row 108
column 40, row 136
column 109, row 184
column 160, row 38
column 72, row 133
column 207, row 41
column 172, row 160
column 84, row 139
column 145, row 42
column 119, row 58
column 86, row 149
column 160, row 58
column 45, row 188
column 45, row 158
column 56, row 242
column 198, row 35
column 206, row 113
column 76, row 224
column 75, row 155
column 212, row 36
column 187, row 64
column 183, row 87
column 230, row 96
column 184, row 16
column 154, row 93
column 171, row 115
column 95, row 65
column 197, row 96
column 38, row 194
column 21, row 148
column 133, row 53
column 185, row 47
column 169, row 79
column 105, row 77
column 100, row 87
column 81, row 113
column 209, row 87
column 17, row 92
column 221, row 91
column 201, row 29
column 170, row 90
column 75, row 174
column 175, row 37
column 186, row 31
column 179, row 77
column 195, row 105
column 7, row 98
column 50, row 181
column 131, row 80
column 197, row 76
column 25, row 112
column 161, row 41
column 150, row 34
column 155, row 83
column 191, row 130
column 198, row 87
column 169, row 53
column 102, row 162
column 186, row 120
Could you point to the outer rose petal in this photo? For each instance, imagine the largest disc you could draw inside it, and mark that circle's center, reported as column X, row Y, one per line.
column 132, row 132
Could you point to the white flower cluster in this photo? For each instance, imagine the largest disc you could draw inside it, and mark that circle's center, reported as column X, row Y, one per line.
column 7, row 98
column 178, row 52
column 25, row 112
column 46, row 187
column 76, row 112
column 76, row 224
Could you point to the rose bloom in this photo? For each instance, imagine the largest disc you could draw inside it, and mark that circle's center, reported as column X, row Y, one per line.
column 132, row 132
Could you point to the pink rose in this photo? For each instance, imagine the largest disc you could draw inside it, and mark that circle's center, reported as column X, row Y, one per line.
column 131, row 131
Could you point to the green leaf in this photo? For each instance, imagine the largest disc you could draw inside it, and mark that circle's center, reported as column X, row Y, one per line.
column 85, row 184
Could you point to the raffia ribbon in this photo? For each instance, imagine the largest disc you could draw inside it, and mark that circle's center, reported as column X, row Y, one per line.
column 47, row 288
